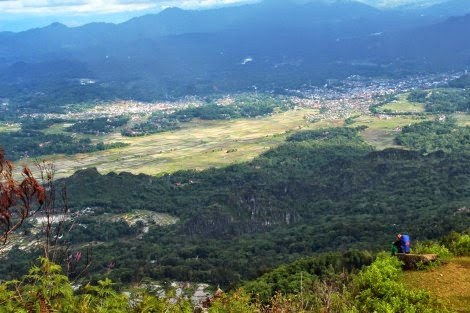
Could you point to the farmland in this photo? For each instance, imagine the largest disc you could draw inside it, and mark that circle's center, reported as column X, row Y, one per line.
column 202, row 144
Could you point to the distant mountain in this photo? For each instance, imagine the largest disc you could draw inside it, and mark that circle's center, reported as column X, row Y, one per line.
column 448, row 8
column 271, row 44
column 442, row 45
column 402, row 3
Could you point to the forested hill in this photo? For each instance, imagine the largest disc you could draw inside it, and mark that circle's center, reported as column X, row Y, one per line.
column 272, row 45
column 321, row 190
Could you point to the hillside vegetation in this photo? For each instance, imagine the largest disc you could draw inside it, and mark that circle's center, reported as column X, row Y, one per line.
column 334, row 282
column 321, row 190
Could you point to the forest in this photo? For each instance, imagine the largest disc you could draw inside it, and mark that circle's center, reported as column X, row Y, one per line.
column 242, row 106
column 322, row 190
column 34, row 143
column 446, row 100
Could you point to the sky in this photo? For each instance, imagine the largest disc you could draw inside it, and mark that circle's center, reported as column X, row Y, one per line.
column 19, row 15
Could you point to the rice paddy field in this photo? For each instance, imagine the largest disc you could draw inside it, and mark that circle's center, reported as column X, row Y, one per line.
column 203, row 144
column 197, row 145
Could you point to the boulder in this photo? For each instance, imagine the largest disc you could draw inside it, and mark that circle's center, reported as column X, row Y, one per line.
column 412, row 261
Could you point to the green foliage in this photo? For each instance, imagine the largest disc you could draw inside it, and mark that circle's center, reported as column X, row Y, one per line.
column 34, row 143
column 98, row 125
column 330, row 134
column 461, row 82
column 39, row 123
column 304, row 273
column 236, row 302
column 322, row 193
column 235, row 223
column 243, row 106
column 158, row 122
column 431, row 247
column 376, row 289
column 418, row 96
column 442, row 100
column 102, row 298
column 46, row 289
column 458, row 243
column 432, row 136
column 462, row 246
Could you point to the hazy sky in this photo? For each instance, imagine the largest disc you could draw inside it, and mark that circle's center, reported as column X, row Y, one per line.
column 18, row 15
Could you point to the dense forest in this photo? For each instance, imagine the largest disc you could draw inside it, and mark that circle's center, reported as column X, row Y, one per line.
column 435, row 136
column 322, row 190
column 33, row 143
column 442, row 100
column 98, row 126
column 340, row 282
column 241, row 106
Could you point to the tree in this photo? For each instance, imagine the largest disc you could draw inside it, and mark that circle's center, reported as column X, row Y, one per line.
column 19, row 200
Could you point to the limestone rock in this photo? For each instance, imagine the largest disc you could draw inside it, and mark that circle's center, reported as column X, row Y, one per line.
column 412, row 260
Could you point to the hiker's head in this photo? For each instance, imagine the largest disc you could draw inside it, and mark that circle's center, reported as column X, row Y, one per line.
column 398, row 236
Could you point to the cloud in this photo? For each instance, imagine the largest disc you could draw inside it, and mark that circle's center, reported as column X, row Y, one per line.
column 45, row 7
column 397, row 3
column 70, row 7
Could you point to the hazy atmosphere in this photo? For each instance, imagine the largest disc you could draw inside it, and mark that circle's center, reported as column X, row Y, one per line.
column 19, row 15
column 235, row 156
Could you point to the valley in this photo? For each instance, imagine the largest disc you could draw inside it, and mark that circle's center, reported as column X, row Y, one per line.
column 270, row 148
column 322, row 171
column 202, row 144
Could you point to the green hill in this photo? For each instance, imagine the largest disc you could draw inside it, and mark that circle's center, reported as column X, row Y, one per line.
column 320, row 191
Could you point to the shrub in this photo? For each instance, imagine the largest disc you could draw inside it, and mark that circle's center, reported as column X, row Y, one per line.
column 376, row 289
column 431, row 247
column 462, row 246
column 458, row 244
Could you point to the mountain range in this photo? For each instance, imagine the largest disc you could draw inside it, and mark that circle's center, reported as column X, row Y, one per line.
column 271, row 44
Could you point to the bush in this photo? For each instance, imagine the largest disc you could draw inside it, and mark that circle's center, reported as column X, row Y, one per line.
column 458, row 244
column 376, row 289
column 431, row 247
column 462, row 246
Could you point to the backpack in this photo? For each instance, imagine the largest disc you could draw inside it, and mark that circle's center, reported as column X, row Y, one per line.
column 405, row 243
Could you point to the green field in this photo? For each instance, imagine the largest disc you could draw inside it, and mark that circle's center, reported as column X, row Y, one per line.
column 9, row 128
column 381, row 132
column 203, row 144
column 402, row 105
column 197, row 145
column 463, row 119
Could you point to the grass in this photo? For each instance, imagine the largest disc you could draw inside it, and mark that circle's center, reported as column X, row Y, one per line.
column 449, row 283
column 9, row 128
column 197, row 145
column 381, row 132
column 463, row 119
column 402, row 105
column 200, row 144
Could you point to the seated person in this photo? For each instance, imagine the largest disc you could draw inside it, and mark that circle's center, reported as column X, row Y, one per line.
column 402, row 244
